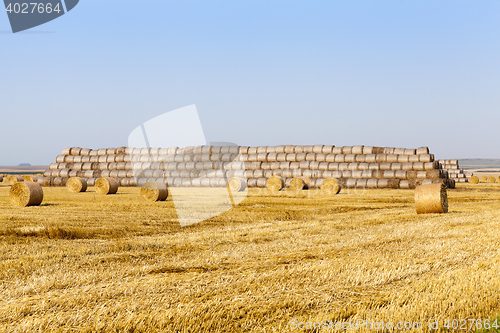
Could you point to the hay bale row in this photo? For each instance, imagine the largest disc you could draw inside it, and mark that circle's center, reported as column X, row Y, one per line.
column 449, row 162
column 212, row 165
column 286, row 173
column 261, row 157
column 290, row 149
column 238, row 184
column 454, row 171
column 12, row 179
column 65, row 169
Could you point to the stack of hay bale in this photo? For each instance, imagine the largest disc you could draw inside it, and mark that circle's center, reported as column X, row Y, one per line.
column 454, row 171
column 211, row 166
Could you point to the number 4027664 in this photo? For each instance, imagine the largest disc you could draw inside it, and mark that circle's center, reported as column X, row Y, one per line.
column 31, row 8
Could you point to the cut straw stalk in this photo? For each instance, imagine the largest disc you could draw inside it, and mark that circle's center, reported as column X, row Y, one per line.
column 154, row 191
column 26, row 194
column 431, row 198
column 106, row 185
column 76, row 185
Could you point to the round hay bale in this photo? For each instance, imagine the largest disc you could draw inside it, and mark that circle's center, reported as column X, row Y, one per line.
column 346, row 150
column 330, row 186
column 381, row 158
column 261, row 182
column 422, row 150
column 76, row 185
column 236, row 184
column 330, row 158
column 61, row 158
column 357, row 174
column 432, row 165
column 327, row 149
column 45, row 181
column 361, row 158
column 407, row 166
column 272, row 157
column 385, row 166
column 298, row 184
column 106, row 185
column 59, row 181
column 491, row 179
column 404, row 184
column 351, row 183
column 154, row 191
column 357, row 150
column 396, row 166
column 332, row 166
column 399, row 151
column 498, row 180
column 371, row 183
column 336, row 151
column 14, row 179
column 349, row 158
column 392, row 158
column 308, row 149
column 27, row 178
column 343, row 166
column 426, row 158
column 318, row 149
column 275, row 184
column 368, row 150
column 431, row 199
column 389, row 150
column 267, row 174
column 1, row 179
column 483, row 179
column 323, row 166
column 431, row 174
column 403, row 158
column 320, row 157
column 414, row 158
column 400, row 174
column 339, row 158
column 26, row 194
column 75, row 151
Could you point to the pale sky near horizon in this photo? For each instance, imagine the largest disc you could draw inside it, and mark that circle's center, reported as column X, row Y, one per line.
column 380, row 73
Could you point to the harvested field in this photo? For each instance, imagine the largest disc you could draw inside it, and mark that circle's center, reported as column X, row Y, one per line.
column 86, row 262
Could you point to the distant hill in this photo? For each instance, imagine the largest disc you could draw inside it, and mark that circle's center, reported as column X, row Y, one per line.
column 24, row 164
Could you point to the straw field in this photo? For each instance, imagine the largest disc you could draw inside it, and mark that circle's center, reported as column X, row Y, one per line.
column 83, row 262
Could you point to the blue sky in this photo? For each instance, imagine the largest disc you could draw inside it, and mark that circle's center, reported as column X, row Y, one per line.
column 382, row 73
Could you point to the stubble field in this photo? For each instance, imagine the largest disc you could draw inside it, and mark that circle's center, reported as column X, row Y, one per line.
column 90, row 263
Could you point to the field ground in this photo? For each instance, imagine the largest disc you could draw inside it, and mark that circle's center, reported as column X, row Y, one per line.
column 89, row 263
